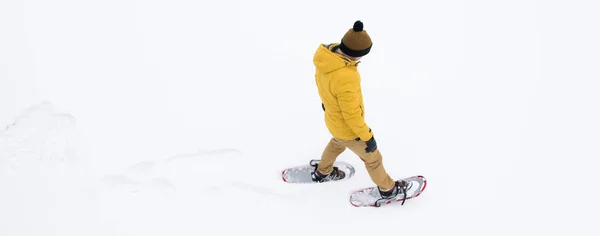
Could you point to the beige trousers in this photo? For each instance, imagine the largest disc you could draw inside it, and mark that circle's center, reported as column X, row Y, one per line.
column 373, row 161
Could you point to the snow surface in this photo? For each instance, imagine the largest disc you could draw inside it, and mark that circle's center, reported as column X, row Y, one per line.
column 177, row 117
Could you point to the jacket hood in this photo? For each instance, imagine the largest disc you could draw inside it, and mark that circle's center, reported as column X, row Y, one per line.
column 326, row 60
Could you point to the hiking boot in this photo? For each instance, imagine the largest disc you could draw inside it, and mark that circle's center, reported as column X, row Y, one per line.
column 335, row 174
column 400, row 186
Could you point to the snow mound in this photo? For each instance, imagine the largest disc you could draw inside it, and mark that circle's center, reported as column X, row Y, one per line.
column 39, row 139
column 40, row 182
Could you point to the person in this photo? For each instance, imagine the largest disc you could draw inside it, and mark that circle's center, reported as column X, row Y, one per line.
column 339, row 85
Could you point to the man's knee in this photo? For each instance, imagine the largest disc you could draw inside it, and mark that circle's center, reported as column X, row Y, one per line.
column 335, row 146
column 374, row 158
column 371, row 159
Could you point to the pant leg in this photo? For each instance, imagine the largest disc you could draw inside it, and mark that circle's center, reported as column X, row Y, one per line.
column 333, row 149
column 373, row 163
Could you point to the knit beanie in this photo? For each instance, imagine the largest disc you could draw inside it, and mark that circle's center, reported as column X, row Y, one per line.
column 356, row 42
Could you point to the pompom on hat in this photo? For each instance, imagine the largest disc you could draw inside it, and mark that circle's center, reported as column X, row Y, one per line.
column 356, row 42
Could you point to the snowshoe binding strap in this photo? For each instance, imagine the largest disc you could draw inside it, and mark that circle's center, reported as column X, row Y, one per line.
column 400, row 187
column 334, row 175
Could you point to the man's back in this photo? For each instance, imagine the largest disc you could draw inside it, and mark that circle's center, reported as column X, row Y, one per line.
column 338, row 82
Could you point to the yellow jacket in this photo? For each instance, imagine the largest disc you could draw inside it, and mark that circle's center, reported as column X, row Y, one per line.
column 338, row 82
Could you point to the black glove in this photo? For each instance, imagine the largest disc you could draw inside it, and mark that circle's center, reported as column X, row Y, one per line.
column 371, row 145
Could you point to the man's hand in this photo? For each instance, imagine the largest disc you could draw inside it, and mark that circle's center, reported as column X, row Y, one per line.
column 371, row 145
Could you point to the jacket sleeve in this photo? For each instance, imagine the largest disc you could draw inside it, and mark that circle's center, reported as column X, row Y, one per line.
column 348, row 94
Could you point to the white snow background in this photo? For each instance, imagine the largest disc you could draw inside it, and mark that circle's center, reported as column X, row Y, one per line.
column 177, row 117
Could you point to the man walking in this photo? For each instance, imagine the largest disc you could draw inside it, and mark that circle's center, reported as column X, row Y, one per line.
column 339, row 85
